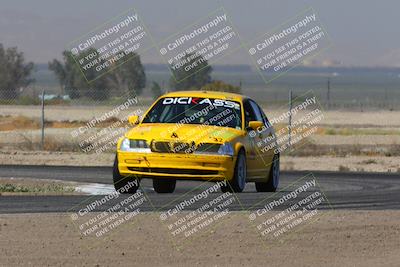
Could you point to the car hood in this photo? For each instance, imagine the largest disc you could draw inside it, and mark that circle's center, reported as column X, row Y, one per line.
column 197, row 133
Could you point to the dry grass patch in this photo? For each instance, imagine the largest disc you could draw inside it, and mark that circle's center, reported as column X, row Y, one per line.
column 10, row 186
column 11, row 123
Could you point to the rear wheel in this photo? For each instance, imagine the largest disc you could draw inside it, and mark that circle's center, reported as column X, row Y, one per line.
column 124, row 184
column 273, row 178
column 164, row 186
column 239, row 177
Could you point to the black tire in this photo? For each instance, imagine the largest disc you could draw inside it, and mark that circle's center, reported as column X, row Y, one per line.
column 164, row 185
column 121, row 181
column 273, row 177
column 238, row 182
column 225, row 189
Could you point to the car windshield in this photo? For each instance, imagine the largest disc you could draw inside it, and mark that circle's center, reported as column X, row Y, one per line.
column 194, row 110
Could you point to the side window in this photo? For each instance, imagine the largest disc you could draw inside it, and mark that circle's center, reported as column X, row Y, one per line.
column 249, row 114
column 257, row 112
column 265, row 119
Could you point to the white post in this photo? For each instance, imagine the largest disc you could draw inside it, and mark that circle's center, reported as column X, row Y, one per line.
column 42, row 122
column 290, row 118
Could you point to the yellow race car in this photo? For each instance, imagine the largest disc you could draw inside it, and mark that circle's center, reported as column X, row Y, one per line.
column 197, row 135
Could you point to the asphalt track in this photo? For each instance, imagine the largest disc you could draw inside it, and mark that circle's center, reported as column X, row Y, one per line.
column 342, row 190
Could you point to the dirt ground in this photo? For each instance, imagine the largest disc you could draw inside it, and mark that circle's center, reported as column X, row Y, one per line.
column 348, row 163
column 336, row 238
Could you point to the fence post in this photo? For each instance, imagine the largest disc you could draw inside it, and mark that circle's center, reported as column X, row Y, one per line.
column 42, row 122
column 290, row 117
column 328, row 92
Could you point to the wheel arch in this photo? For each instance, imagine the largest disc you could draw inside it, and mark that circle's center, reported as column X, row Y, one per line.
column 238, row 148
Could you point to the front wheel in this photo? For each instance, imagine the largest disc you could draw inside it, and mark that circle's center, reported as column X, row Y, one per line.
column 124, row 184
column 239, row 177
column 273, row 178
column 164, row 186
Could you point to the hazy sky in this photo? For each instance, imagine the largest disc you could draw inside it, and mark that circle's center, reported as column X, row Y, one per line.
column 363, row 32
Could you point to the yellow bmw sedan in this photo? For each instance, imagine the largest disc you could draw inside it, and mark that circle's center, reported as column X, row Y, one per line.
column 198, row 135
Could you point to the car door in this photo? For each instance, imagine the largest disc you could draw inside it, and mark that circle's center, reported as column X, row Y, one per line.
column 255, row 167
column 267, row 137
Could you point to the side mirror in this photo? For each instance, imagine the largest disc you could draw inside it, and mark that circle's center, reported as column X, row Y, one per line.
column 254, row 125
column 133, row 120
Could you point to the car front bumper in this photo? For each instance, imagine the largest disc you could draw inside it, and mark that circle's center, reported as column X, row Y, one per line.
column 176, row 166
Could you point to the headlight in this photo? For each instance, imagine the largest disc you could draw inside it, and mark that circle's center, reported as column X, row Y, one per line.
column 215, row 149
column 134, row 145
column 226, row 149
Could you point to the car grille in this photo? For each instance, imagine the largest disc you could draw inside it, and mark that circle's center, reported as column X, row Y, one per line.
column 172, row 147
column 174, row 171
column 184, row 147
